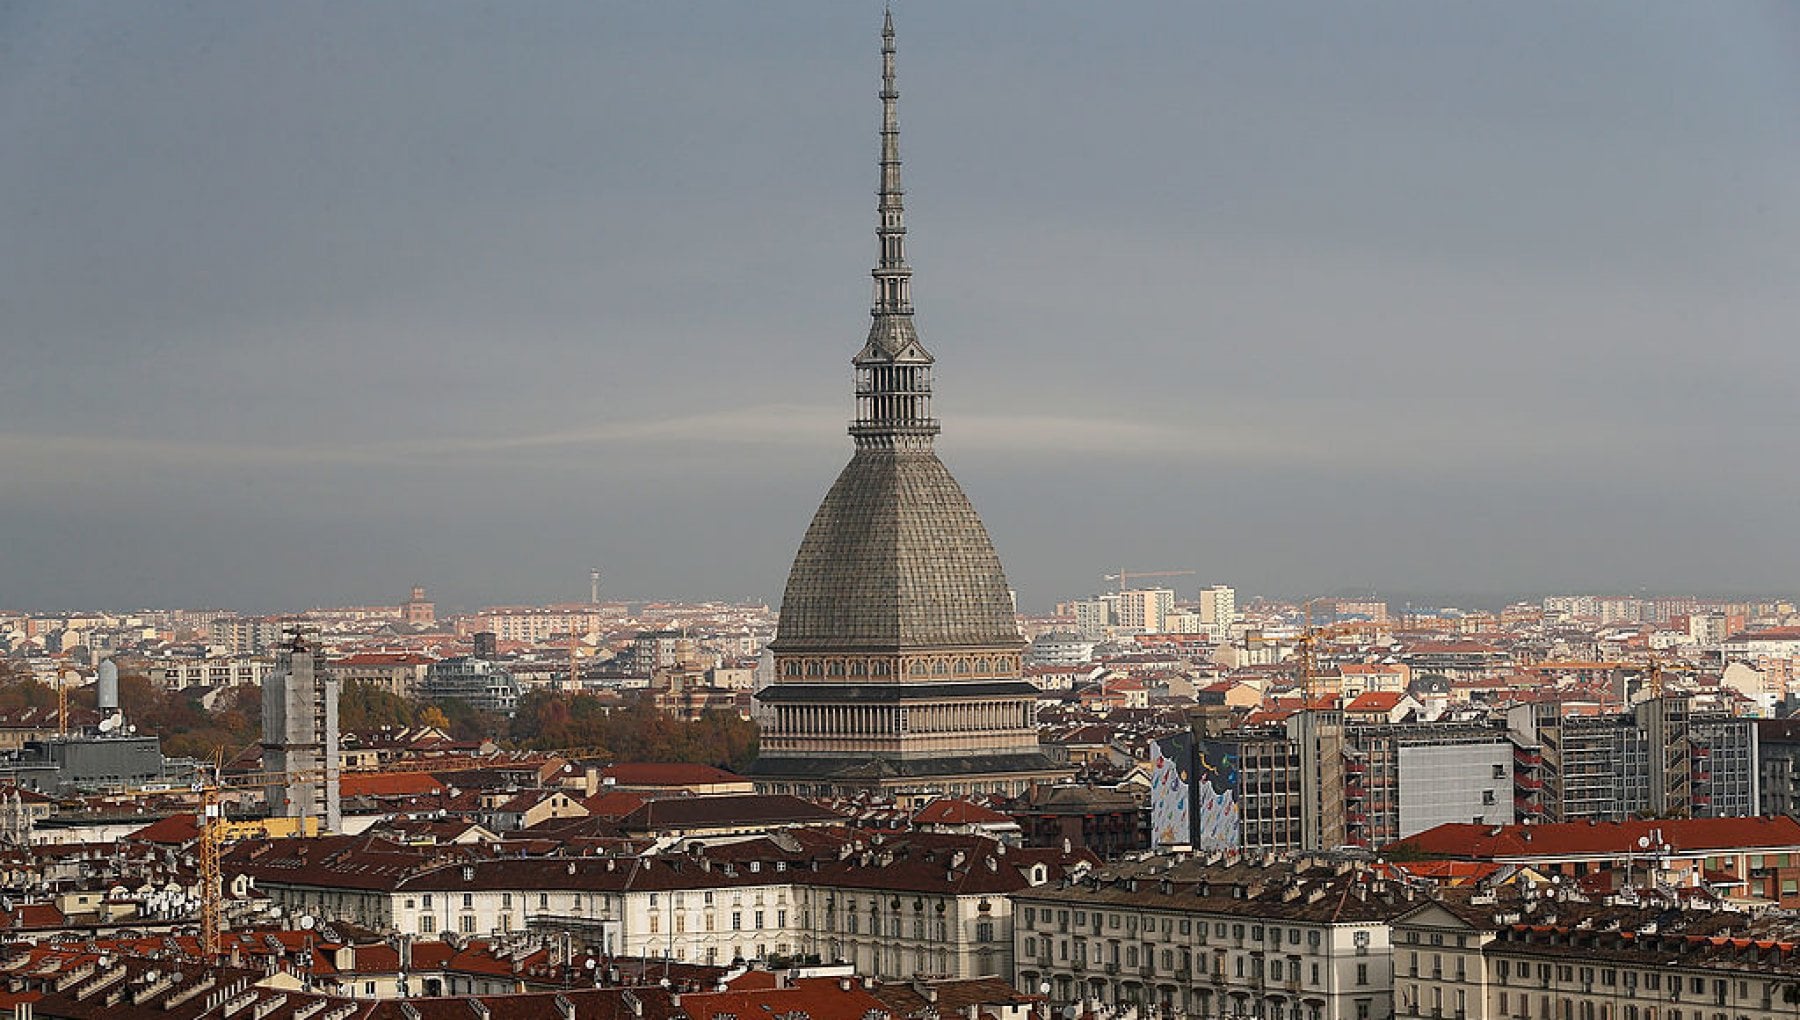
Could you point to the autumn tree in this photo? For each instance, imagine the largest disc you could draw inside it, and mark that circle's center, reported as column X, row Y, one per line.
column 364, row 706
column 635, row 731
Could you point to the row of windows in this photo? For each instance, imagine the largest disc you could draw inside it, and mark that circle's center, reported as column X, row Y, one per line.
column 882, row 667
column 604, row 902
column 1175, row 962
column 1676, row 986
column 1150, row 924
column 758, row 921
column 737, row 898
column 1569, row 1009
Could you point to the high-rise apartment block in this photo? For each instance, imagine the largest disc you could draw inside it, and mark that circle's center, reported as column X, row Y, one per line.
column 1218, row 608
column 1659, row 758
column 1095, row 617
column 1315, row 780
column 1144, row 610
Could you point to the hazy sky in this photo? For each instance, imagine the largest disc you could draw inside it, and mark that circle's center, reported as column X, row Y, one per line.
column 306, row 302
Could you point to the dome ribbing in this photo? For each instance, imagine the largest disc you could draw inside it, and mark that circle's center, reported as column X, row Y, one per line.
column 896, row 558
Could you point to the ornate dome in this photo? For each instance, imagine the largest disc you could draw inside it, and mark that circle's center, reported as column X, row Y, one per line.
column 896, row 558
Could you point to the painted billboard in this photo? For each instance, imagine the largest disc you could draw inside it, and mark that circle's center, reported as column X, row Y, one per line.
column 1171, row 792
column 1218, row 824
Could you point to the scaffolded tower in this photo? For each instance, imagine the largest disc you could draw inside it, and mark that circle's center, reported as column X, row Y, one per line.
column 300, row 738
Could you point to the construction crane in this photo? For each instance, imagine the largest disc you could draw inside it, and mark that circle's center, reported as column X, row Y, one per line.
column 211, row 817
column 1653, row 676
column 1310, row 637
column 1124, row 576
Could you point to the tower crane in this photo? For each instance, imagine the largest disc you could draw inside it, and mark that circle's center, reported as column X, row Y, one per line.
column 1310, row 637
column 211, row 817
column 1124, row 576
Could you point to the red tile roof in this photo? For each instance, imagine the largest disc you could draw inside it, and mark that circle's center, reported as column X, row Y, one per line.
column 175, row 830
column 33, row 915
column 1381, row 702
column 1582, row 839
column 633, row 773
column 390, row 784
column 816, row 998
column 614, row 803
column 952, row 811
column 25, row 794
column 384, row 659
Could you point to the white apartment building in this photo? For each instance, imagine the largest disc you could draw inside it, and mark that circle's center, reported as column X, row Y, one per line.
column 1143, row 609
column 212, row 671
column 1096, row 616
column 924, row 904
column 1218, row 610
column 1302, row 941
column 534, row 625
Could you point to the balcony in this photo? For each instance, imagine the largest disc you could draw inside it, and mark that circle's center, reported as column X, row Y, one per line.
column 1112, row 967
column 1353, row 791
column 1528, row 782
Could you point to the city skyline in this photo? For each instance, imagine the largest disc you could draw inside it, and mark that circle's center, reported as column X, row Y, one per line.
column 1266, row 294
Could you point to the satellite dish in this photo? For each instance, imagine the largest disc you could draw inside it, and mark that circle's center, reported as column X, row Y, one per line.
column 110, row 723
column 1643, row 841
column 587, row 964
column 307, row 921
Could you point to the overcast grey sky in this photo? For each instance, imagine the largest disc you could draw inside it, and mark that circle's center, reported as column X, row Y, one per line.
column 304, row 303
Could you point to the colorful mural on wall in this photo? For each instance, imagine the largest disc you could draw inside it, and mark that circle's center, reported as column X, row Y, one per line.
column 1218, row 824
column 1171, row 791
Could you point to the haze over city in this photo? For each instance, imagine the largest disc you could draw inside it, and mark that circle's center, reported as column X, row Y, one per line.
column 307, row 304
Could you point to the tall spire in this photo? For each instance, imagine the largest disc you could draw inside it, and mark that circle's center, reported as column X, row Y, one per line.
column 893, row 278
column 893, row 370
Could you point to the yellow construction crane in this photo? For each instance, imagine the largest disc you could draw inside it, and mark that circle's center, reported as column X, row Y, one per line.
column 1124, row 576
column 1307, row 641
column 1653, row 678
column 62, row 700
column 211, row 817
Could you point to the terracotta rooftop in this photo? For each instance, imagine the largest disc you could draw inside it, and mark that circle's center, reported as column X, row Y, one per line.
column 1581, row 839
